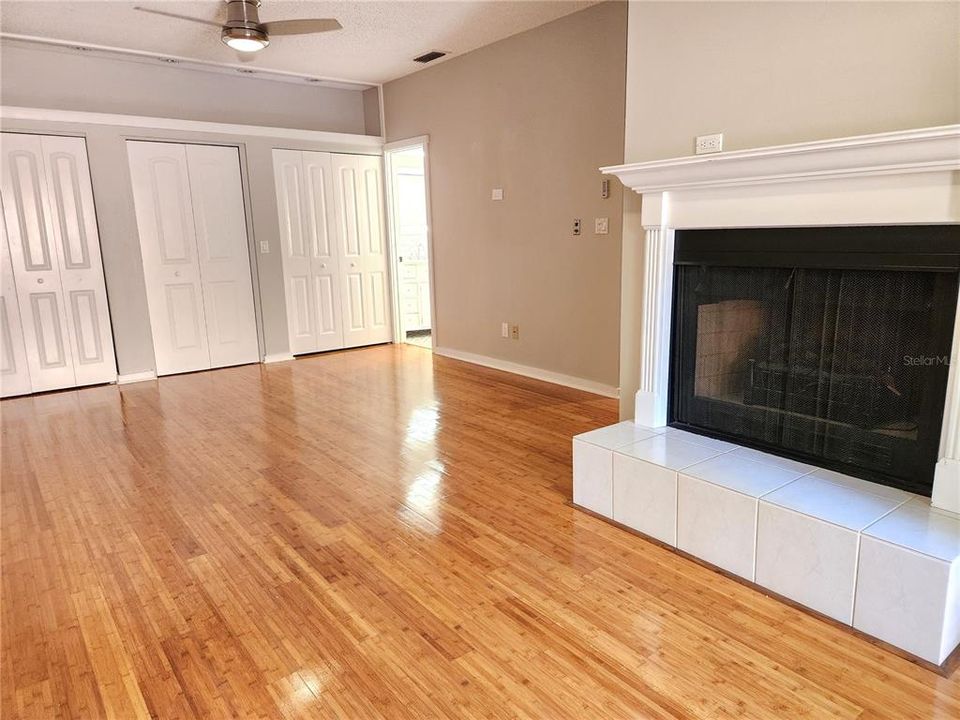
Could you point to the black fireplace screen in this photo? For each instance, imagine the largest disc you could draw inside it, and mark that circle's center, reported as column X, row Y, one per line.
column 833, row 348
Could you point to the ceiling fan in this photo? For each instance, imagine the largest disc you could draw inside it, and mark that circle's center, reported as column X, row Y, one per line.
column 243, row 30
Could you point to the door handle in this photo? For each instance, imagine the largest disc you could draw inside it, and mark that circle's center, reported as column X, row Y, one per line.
column 323, row 266
column 353, row 264
column 176, row 273
column 39, row 281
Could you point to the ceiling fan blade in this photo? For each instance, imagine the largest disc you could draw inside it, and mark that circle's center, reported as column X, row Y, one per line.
column 179, row 17
column 301, row 27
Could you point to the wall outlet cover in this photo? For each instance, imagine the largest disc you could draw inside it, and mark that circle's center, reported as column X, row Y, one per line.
column 496, row 194
column 601, row 226
column 264, row 247
column 515, row 332
column 709, row 143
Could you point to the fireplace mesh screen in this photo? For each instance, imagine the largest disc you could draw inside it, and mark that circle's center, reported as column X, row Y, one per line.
column 841, row 367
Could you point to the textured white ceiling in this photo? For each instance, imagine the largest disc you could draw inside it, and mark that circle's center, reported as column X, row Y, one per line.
column 377, row 43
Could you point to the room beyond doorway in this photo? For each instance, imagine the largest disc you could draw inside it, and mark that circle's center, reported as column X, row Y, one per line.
column 409, row 206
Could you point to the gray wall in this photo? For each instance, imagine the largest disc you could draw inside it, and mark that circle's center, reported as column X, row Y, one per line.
column 111, row 177
column 769, row 74
column 536, row 114
column 44, row 77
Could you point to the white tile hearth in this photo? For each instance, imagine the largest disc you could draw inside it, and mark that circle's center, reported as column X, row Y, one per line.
column 593, row 477
column 808, row 538
column 645, row 483
column 690, row 437
column 859, row 552
column 671, row 452
column 775, row 460
column 593, row 463
column 908, row 581
column 717, row 508
column 615, row 436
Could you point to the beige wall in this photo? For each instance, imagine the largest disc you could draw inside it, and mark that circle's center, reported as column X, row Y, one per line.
column 781, row 72
column 773, row 73
column 535, row 114
column 43, row 77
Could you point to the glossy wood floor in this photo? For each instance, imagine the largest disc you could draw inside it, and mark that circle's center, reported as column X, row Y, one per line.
column 375, row 534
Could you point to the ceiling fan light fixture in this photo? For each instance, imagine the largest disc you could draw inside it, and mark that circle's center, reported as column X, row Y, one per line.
column 244, row 39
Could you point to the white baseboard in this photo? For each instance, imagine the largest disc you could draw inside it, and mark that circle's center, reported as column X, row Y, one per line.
column 531, row 372
column 136, row 377
column 277, row 357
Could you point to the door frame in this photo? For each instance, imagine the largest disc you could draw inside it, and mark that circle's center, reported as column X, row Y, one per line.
column 421, row 141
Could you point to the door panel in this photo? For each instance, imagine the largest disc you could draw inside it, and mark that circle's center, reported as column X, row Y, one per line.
column 359, row 209
column 326, row 301
column 14, row 375
column 223, row 254
column 74, row 224
column 36, row 270
column 354, row 316
column 46, row 319
column 161, row 192
column 86, row 322
column 310, row 264
column 184, row 323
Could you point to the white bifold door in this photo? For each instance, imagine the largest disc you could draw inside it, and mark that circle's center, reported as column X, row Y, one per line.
column 333, row 248
column 54, row 320
column 196, row 261
column 311, row 271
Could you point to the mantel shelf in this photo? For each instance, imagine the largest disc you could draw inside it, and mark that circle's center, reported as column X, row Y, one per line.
column 901, row 152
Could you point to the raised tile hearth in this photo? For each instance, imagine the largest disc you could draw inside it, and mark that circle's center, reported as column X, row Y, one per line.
column 870, row 556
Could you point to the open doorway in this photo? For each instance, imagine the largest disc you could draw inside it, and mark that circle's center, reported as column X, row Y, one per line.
column 409, row 208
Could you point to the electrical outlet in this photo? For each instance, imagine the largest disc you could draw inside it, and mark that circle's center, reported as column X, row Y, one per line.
column 264, row 247
column 496, row 194
column 709, row 143
column 601, row 226
column 576, row 226
column 505, row 330
column 515, row 332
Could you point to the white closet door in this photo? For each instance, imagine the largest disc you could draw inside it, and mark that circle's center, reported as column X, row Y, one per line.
column 14, row 376
column 161, row 192
column 358, row 202
column 295, row 251
column 81, row 270
column 36, row 264
column 324, row 263
column 223, row 254
column 310, row 268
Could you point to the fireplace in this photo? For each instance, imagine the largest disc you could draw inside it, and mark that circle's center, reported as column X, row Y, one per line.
column 805, row 351
column 828, row 345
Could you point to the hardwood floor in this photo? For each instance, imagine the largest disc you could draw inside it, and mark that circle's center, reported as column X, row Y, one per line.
column 375, row 534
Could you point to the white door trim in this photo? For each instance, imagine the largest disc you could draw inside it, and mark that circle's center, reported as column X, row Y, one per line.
column 389, row 148
column 413, row 142
column 343, row 142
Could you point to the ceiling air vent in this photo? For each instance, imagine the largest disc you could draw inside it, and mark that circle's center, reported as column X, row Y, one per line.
column 429, row 57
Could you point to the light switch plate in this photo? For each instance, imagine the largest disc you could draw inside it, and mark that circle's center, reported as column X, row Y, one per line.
column 505, row 330
column 601, row 226
column 496, row 194
column 264, row 247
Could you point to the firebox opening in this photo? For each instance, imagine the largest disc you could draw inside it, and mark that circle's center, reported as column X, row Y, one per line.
column 827, row 345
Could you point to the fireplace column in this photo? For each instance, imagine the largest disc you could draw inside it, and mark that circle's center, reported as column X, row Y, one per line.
column 946, row 480
column 650, row 404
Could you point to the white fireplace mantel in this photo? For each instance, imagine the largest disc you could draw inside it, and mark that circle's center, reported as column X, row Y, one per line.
column 903, row 177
